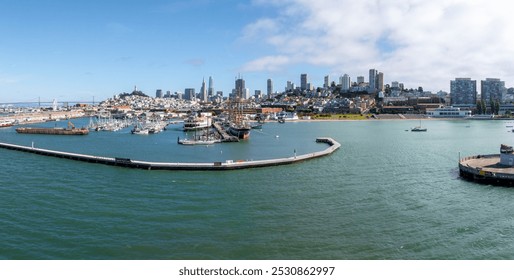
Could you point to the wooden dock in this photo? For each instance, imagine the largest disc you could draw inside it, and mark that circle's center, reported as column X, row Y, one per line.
column 130, row 163
column 225, row 137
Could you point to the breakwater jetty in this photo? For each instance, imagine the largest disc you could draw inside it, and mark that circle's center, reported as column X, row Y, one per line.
column 495, row 169
column 226, row 165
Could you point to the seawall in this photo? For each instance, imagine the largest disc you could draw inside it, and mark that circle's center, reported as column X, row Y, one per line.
column 130, row 163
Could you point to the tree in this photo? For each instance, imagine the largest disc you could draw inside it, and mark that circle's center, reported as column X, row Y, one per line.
column 479, row 107
column 497, row 107
column 484, row 107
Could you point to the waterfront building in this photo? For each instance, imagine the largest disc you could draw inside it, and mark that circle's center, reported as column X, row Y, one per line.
column 269, row 91
column 492, row 90
column 448, row 112
column 190, row 94
column 304, row 80
column 463, row 92
column 158, row 93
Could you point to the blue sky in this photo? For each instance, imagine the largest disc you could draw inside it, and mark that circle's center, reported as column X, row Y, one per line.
column 74, row 50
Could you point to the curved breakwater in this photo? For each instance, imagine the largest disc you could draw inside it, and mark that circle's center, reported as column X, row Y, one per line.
column 130, row 163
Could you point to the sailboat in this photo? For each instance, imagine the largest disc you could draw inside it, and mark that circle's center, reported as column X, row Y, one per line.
column 418, row 128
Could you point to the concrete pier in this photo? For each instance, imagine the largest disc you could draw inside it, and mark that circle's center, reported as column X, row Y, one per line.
column 130, row 163
column 486, row 169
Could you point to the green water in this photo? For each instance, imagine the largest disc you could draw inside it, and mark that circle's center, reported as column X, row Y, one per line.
column 387, row 193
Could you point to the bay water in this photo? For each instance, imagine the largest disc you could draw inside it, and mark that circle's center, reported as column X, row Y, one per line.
column 387, row 193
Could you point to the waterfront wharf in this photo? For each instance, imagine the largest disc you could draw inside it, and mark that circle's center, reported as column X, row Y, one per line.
column 486, row 169
column 227, row 165
column 225, row 137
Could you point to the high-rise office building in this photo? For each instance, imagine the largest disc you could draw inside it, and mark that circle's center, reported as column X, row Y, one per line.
column 345, row 82
column 326, row 83
column 158, row 93
column 258, row 94
column 203, row 92
column 360, row 80
column 289, row 86
column 379, row 85
column 373, row 75
column 304, row 80
column 492, row 90
column 240, row 89
column 463, row 91
column 210, row 91
column 189, row 94
column 269, row 88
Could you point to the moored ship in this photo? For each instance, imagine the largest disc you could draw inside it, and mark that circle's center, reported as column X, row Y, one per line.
column 197, row 121
column 239, row 126
column 70, row 130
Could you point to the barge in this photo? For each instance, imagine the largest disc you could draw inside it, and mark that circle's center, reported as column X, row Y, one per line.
column 70, row 130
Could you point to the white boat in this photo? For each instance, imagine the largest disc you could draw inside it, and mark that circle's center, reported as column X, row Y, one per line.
column 418, row 128
column 480, row 117
column 287, row 116
column 448, row 112
column 197, row 121
column 197, row 142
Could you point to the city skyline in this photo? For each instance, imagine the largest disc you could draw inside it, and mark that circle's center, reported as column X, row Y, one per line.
column 82, row 50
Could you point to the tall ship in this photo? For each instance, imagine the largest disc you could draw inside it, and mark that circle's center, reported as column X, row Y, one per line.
column 238, row 126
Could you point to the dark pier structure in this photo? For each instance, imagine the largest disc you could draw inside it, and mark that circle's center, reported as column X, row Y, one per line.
column 496, row 169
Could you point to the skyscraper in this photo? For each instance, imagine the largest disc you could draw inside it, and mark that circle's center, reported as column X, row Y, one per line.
column 189, row 94
column 158, row 93
column 345, row 82
column 360, row 80
column 463, row 91
column 203, row 92
column 373, row 75
column 211, row 92
column 240, row 89
column 492, row 90
column 326, row 83
column 270, row 88
column 379, row 85
column 303, row 81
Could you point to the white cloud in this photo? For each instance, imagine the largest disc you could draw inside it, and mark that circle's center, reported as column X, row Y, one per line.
column 267, row 63
column 426, row 43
